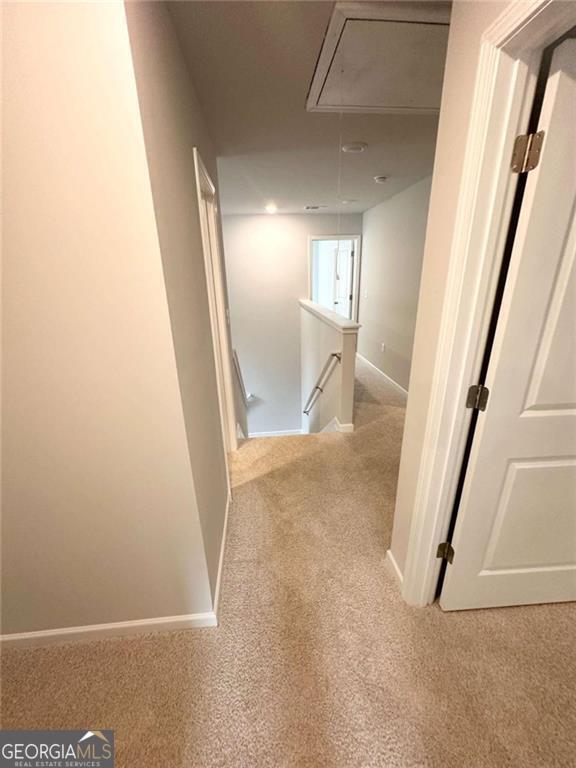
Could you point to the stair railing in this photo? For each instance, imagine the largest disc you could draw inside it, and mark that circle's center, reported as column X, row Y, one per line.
column 333, row 360
column 246, row 396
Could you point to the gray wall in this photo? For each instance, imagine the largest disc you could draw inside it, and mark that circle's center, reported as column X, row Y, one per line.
column 99, row 517
column 173, row 124
column 392, row 250
column 267, row 266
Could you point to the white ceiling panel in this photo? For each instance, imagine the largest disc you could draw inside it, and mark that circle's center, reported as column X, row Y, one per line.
column 386, row 66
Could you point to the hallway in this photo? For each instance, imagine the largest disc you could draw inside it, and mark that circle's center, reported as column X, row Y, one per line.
column 317, row 661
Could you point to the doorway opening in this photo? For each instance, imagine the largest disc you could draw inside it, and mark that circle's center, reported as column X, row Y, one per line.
column 334, row 273
column 490, row 551
column 525, row 288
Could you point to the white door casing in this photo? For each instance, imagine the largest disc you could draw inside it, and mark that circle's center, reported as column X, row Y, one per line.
column 515, row 536
column 208, row 215
column 508, row 62
column 344, row 270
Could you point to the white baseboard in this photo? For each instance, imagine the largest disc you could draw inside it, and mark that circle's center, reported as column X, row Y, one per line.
column 221, row 559
column 115, row 629
column 388, row 378
column 279, row 433
column 138, row 626
column 335, row 426
column 393, row 568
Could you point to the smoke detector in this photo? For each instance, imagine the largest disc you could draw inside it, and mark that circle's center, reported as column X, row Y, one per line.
column 380, row 179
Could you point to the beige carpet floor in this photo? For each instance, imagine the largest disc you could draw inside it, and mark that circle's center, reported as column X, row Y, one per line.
column 317, row 661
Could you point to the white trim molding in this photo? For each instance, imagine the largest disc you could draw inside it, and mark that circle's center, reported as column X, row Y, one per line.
column 505, row 82
column 392, row 567
column 329, row 317
column 208, row 220
column 336, row 426
column 114, row 629
column 216, row 600
column 136, row 626
column 385, row 375
column 278, row 433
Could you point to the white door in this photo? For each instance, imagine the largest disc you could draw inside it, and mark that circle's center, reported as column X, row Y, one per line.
column 515, row 534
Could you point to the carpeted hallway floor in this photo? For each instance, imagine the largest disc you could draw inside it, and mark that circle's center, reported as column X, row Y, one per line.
column 317, row 662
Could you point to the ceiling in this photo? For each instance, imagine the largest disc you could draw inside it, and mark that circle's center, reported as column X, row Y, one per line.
column 252, row 64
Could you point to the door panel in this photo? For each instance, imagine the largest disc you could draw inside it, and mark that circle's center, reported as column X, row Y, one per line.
column 553, row 383
column 515, row 535
column 524, row 532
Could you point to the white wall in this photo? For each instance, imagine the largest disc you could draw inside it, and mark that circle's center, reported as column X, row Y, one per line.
column 100, row 520
column 267, row 266
column 392, row 250
column 468, row 22
column 173, row 124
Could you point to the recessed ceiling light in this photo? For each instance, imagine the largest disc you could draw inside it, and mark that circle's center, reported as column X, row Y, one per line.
column 354, row 147
column 271, row 208
column 345, row 202
column 380, row 179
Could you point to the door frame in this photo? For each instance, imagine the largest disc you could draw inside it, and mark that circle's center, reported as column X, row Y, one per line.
column 215, row 283
column 505, row 82
column 355, row 274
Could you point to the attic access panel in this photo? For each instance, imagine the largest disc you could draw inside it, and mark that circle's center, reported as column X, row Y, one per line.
column 383, row 58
